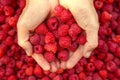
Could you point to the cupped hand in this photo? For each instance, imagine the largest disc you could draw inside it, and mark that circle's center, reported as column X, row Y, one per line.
column 34, row 13
column 85, row 15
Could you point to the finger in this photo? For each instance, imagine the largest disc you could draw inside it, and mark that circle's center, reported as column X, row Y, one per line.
column 41, row 61
column 72, row 61
column 53, row 67
column 23, row 40
column 92, row 42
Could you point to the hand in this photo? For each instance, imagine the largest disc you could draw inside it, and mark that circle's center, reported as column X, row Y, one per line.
column 86, row 17
column 34, row 13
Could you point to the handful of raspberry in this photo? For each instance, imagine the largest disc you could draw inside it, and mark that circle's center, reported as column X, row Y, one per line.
column 57, row 35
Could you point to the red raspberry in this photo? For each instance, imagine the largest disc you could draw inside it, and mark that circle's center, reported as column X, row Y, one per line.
column 108, row 8
column 112, row 46
column 98, row 4
column 12, row 21
column 52, row 47
column 41, row 29
column 9, row 41
column 98, row 64
column 63, row 55
column 73, row 46
column 9, row 11
column 31, row 78
column 103, row 74
column 58, row 10
column 70, row 22
column 38, row 71
column 1, row 52
column 74, row 30
column 2, row 19
column 109, row 57
column 111, row 66
column 96, row 77
column 12, row 32
column 38, row 49
column 49, row 38
column 12, row 77
column 19, row 64
column 9, row 71
column 52, row 75
column 110, row 1
column 65, row 42
column 90, row 67
column 71, row 71
column 4, row 60
column 63, row 30
column 6, row 2
column 82, row 76
column 42, row 40
column 117, row 72
column 58, row 77
column 81, row 39
column 5, row 27
column 105, row 16
column 52, row 23
column 3, row 35
column 45, row 78
column 65, row 16
column 21, row 3
column 49, row 56
column 2, row 72
column 29, row 71
column 73, row 77
column 35, row 39
column 117, row 53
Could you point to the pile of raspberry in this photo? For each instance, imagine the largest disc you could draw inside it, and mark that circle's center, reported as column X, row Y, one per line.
column 57, row 35
column 103, row 64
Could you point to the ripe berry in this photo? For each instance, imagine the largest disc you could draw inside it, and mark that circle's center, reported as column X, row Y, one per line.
column 98, row 4
column 98, row 64
column 111, row 66
column 63, row 30
column 31, row 78
column 81, row 39
column 29, row 71
column 65, row 41
column 105, row 16
column 35, row 39
column 9, row 11
column 52, row 23
column 52, row 47
column 49, row 37
column 58, row 77
column 103, row 74
column 73, row 77
column 63, row 55
column 38, row 49
column 41, row 29
column 58, row 10
column 38, row 71
column 12, row 77
column 90, row 67
column 49, row 56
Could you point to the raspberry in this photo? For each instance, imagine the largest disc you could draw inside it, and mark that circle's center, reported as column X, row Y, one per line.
column 51, row 47
column 74, row 30
column 29, row 71
column 38, row 71
column 81, row 39
column 38, row 49
column 58, row 10
column 9, row 71
column 2, row 19
column 3, row 35
column 65, row 41
column 2, row 72
column 82, row 76
column 98, row 4
column 63, row 30
column 42, row 40
column 35, row 39
column 6, row 2
column 65, row 16
column 117, row 72
column 108, row 8
column 73, row 46
column 31, row 78
column 12, row 77
column 1, row 52
column 52, row 75
column 52, row 23
column 112, row 46
column 21, row 74
column 109, row 57
column 5, row 27
column 71, row 71
column 60, row 70
column 9, row 41
column 109, row 1
column 117, row 53
column 96, row 77
column 12, row 21
column 58, row 77
column 103, row 74
column 49, row 38
column 63, row 55
column 19, row 64
column 98, row 64
column 45, row 78
column 90, row 67
column 49, row 56
column 41, row 29
column 12, row 32
column 9, row 11
column 21, row 3
column 111, row 66
column 105, row 16
column 73, row 77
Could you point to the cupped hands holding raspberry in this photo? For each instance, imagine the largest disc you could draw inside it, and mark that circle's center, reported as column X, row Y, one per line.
column 36, row 11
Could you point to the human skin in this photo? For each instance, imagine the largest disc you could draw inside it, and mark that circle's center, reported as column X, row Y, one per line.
column 36, row 11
